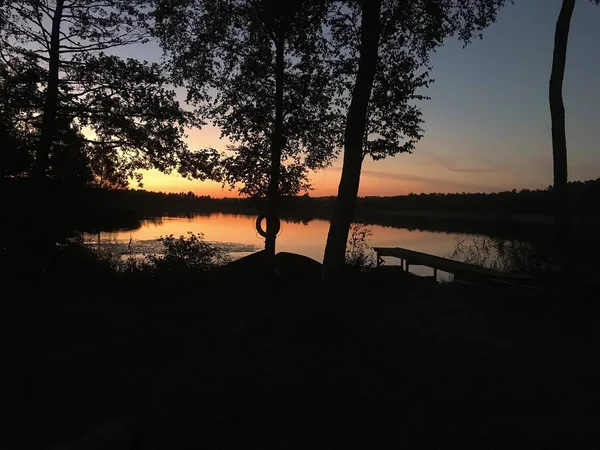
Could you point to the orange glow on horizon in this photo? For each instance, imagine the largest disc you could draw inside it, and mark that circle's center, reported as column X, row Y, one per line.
column 323, row 186
column 324, row 183
column 370, row 185
column 422, row 172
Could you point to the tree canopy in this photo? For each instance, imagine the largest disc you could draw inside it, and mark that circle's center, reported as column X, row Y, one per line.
column 122, row 110
column 224, row 53
column 382, row 49
column 258, row 70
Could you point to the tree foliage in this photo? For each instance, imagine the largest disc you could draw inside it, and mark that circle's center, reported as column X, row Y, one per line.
column 359, row 254
column 185, row 255
column 408, row 33
column 224, row 52
column 122, row 110
column 20, row 102
column 381, row 49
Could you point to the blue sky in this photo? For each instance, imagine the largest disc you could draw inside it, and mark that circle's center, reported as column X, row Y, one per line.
column 488, row 123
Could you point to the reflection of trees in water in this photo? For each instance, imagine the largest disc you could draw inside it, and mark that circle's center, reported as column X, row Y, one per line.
column 506, row 255
column 123, row 222
column 107, row 224
column 515, row 246
column 299, row 220
column 452, row 224
column 157, row 221
column 523, row 230
column 499, row 229
column 537, row 256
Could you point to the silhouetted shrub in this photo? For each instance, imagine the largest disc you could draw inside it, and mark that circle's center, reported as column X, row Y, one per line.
column 506, row 255
column 358, row 253
column 191, row 254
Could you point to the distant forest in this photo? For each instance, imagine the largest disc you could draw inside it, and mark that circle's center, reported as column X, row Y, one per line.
column 512, row 214
column 585, row 201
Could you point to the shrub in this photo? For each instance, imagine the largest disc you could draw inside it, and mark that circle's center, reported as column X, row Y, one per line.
column 358, row 252
column 506, row 255
column 191, row 254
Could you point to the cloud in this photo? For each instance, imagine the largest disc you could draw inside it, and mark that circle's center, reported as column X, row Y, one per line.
column 432, row 184
column 453, row 164
column 436, row 184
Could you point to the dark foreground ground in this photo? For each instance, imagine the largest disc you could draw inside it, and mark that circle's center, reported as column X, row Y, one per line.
column 405, row 363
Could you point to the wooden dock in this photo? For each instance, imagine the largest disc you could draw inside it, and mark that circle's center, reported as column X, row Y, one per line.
column 461, row 271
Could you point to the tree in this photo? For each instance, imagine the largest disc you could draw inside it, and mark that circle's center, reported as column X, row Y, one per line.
column 20, row 103
column 122, row 109
column 562, row 221
column 382, row 49
column 559, row 137
column 256, row 69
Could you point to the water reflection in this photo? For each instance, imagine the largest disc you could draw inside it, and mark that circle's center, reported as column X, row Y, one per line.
column 305, row 238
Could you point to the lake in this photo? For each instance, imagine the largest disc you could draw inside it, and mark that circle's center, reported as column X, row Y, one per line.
column 238, row 234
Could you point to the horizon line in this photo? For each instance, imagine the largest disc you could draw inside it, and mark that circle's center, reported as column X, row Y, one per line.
column 238, row 197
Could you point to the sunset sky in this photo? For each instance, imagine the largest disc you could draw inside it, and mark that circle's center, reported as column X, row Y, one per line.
column 487, row 126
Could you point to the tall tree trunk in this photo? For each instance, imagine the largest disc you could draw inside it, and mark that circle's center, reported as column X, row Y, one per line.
column 335, row 250
column 50, row 103
column 559, row 138
column 276, row 150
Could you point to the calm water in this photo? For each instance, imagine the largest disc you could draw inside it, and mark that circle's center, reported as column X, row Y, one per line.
column 304, row 238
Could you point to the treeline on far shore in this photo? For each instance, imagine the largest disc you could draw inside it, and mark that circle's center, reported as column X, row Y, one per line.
column 585, row 201
column 102, row 209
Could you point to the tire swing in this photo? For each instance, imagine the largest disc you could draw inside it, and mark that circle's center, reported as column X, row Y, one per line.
column 259, row 227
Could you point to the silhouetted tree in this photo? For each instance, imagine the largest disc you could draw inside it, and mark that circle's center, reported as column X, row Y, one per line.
column 559, row 137
column 383, row 48
column 256, row 69
column 123, row 109
column 20, row 103
column 562, row 218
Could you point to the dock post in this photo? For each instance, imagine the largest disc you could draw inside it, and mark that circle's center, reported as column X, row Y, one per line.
column 435, row 274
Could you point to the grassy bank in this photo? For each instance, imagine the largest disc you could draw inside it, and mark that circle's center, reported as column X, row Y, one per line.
column 221, row 362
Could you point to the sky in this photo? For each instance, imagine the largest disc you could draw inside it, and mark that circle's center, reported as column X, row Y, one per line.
column 487, row 125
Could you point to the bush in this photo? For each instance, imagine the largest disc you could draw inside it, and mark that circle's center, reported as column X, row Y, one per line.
column 358, row 252
column 191, row 254
column 506, row 255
